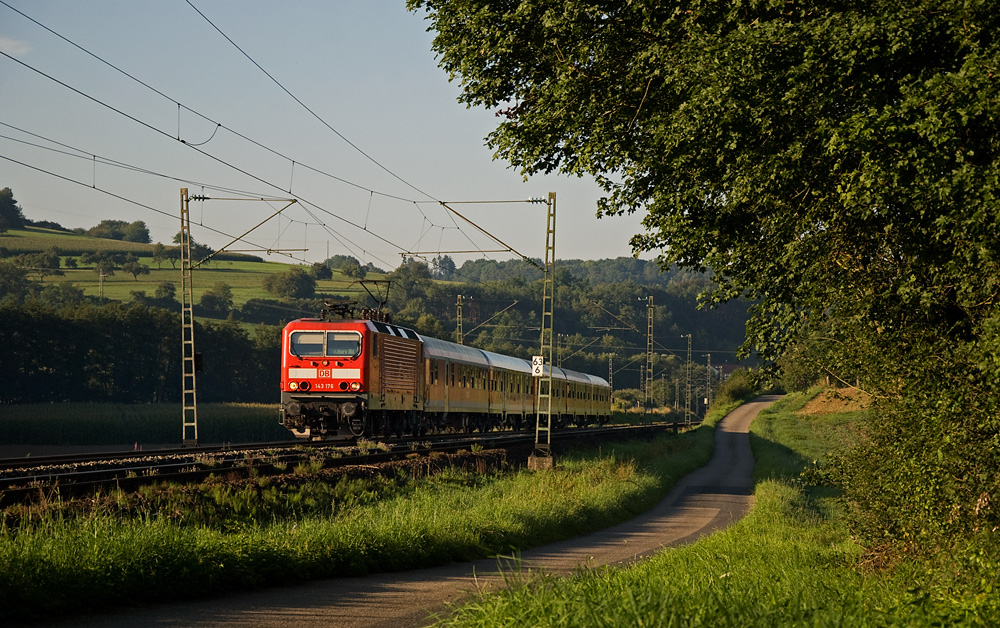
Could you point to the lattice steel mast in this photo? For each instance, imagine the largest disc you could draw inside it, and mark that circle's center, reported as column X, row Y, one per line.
column 189, row 429
column 543, row 426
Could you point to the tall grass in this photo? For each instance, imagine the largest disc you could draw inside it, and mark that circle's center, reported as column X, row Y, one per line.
column 791, row 561
column 143, row 548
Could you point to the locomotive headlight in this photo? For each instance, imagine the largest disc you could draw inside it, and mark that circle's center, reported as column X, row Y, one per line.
column 355, row 386
column 343, row 385
column 293, row 386
column 303, row 385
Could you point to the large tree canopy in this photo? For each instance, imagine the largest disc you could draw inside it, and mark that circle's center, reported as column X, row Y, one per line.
column 11, row 216
column 835, row 161
column 813, row 154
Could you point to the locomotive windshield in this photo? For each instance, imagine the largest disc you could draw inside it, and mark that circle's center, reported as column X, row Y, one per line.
column 343, row 344
column 318, row 344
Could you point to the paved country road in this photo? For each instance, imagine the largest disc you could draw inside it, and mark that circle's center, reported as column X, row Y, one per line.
column 707, row 500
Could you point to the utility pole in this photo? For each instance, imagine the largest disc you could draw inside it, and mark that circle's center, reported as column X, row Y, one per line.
column 189, row 428
column 687, row 381
column 708, row 392
column 542, row 456
column 459, row 336
column 649, row 353
column 677, row 393
column 189, row 358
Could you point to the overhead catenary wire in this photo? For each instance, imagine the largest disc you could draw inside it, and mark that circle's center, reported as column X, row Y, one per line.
column 219, row 125
column 199, row 150
column 349, row 142
column 306, row 107
column 126, row 199
column 82, row 154
column 217, row 159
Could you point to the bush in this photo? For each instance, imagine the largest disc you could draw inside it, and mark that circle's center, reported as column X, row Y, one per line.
column 739, row 386
column 295, row 283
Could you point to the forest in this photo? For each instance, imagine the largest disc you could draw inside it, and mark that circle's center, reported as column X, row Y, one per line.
column 62, row 342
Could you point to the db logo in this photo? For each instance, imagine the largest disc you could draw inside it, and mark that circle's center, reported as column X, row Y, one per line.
column 325, row 373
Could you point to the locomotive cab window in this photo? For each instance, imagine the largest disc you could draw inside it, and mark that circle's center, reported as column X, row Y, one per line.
column 316, row 344
column 343, row 344
column 307, row 344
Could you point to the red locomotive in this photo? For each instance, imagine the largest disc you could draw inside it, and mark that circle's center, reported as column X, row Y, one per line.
column 366, row 377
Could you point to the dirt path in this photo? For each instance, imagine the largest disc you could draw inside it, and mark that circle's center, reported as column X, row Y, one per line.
column 705, row 501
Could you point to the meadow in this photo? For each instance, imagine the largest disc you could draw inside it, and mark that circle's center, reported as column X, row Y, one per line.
column 791, row 562
column 170, row 542
column 245, row 277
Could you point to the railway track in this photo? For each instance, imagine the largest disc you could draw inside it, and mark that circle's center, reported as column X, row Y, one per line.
column 72, row 476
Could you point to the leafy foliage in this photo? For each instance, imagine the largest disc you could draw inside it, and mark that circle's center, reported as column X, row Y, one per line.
column 76, row 351
column 121, row 230
column 11, row 215
column 835, row 163
column 217, row 301
column 294, row 282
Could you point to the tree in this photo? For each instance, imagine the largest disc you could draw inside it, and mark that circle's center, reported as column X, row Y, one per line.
column 11, row 215
column 41, row 264
column 105, row 266
column 136, row 232
column 166, row 290
column 173, row 255
column 198, row 251
column 159, row 254
column 320, row 271
column 444, row 267
column 295, row 283
column 835, row 163
column 134, row 268
column 14, row 283
column 217, row 301
column 353, row 269
column 109, row 229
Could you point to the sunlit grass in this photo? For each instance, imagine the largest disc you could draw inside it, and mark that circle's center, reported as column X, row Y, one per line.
column 791, row 561
column 244, row 277
column 182, row 544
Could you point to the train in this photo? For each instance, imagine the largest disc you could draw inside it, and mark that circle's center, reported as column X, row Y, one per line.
column 355, row 377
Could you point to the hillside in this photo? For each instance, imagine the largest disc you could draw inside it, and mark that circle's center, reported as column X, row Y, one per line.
column 244, row 274
column 601, row 305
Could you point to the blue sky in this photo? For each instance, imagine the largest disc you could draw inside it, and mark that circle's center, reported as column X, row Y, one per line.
column 365, row 68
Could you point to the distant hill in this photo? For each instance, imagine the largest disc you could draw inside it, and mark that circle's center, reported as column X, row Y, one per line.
column 35, row 239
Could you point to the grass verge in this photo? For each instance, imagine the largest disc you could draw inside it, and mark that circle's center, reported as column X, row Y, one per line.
column 791, row 561
column 58, row 562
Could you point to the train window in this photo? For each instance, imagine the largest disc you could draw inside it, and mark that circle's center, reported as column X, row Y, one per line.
column 343, row 344
column 307, row 344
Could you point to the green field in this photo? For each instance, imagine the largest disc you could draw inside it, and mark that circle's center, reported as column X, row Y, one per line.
column 244, row 277
column 793, row 561
column 168, row 542
column 35, row 239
